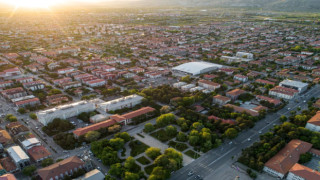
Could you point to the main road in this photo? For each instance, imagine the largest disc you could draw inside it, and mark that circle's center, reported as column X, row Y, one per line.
column 206, row 166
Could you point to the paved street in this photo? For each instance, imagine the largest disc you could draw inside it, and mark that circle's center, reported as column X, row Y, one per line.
column 208, row 164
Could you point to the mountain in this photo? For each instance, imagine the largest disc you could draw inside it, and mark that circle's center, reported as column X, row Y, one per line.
column 281, row 5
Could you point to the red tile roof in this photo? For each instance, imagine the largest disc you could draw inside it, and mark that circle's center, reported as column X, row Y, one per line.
column 82, row 131
column 60, row 168
column 8, row 177
column 305, row 172
column 315, row 120
column 236, row 92
column 138, row 112
column 38, row 152
column 288, row 156
column 241, row 109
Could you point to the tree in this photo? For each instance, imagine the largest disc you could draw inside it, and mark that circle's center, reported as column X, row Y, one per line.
column 165, row 119
column 92, row 136
column 182, row 137
column 11, row 118
column 33, row 116
column 153, row 152
column 304, row 158
column 165, row 109
column 114, row 128
column 283, row 118
column 148, row 128
column 131, row 176
column 47, row 162
column 22, row 110
column 116, row 143
column 54, row 91
column 123, row 135
column 109, row 178
column 171, row 130
column 159, row 173
column 29, row 170
column 231, row 133
column 116, row 170
column 130, row 163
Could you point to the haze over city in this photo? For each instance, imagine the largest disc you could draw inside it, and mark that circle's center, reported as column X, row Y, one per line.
column 159, row 89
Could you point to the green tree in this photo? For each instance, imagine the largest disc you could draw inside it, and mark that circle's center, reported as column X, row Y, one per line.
column 130, row 163
column 47, row 162
column 131, row 176
column 283, row 118
column 148, row 128
column 123, row 135
column 159, row 173
column 22, row 110
column 116, row 143
column 182, row 137
column 116, row 170
column 165, row 109
column 231, row 133
column 153, row 152
column 304, row 158
column 29, row 170
column 92, row 136
column 11, row 118
column 171, row 130
column 33, row 116
column 165, row 119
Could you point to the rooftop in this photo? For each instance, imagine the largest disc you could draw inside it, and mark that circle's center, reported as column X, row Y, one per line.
column 196, row 68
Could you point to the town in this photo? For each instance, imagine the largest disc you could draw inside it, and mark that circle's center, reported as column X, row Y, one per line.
column 159, row 94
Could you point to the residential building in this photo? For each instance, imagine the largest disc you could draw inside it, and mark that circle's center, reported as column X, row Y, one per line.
column 38, row 153
column 5, row 138
column 240, row 77
column 296, row 85
column 301, row 172
column 34, row 85
column 283, row 92
column 19, row 157
column 209, row 84
column 92, row 175
column 27, row 102
column 30, row 143
column 65, row 70
column 221, row 100
column 8, row 177
column 234, row 94
column 60, row 169
column 125, row 102
column 314, row 123
column 276, row 102
column 239, row 109
column 14, row 93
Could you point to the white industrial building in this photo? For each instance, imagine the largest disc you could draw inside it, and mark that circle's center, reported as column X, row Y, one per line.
column 19, row 157
column 196, row 68
column 297, row 85
column 65, row 111
column 125, row 102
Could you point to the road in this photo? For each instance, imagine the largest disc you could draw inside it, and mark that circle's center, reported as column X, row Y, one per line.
column 206, row 166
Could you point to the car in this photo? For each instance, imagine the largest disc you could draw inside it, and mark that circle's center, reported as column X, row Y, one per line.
column 230, row 142
column 304, row 101
column 289, row 108
column 260, row 132
column 249, row 139
column 65, row 151
column 198, row 177
column 190, row 173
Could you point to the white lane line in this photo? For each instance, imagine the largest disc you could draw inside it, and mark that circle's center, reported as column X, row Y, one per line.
column 221, row 156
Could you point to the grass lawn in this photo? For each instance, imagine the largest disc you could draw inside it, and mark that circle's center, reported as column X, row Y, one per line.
column 177, row 145
column 192, row 154
column 137, row 147
column 143, row 160
column 161, row 135
column 148, row 169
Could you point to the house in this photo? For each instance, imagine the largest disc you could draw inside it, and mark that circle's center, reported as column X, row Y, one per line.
column 5, row 84
column 60, row 169
column 30, row 143
column 317, row 104
column 239, row 109
column 221, row 100
column 264, row 82
column 9, row 165
column 19, row 157
column 275, row 102
column 283, row 92
column 240, row 77
column 124, row 102
column 38, row 153
column 56, row 99
column 34, row 85
column 15, row 128
column 24, row 80
column 72, row 84
column 209, row 84
column 280, row 164
column 65, row 70
column 96, row 83
column 314, row 123
column 234, row 94
column 8, row 177
column 10, row 72
column 14, row 93
column 5, row 138
column 27, row 102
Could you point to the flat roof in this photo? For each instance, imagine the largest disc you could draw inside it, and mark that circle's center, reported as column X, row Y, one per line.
column 196, row 67
column 298, row 84
column 17, row 153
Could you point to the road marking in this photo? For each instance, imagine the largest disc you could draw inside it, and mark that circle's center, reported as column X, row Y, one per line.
column 221, row 156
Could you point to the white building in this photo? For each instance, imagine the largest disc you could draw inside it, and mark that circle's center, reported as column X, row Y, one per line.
column 65, row 111
column 314, row 123
column 187, row 87
column 297, row 85
column 198, row 88
column 196, row 68
column 29, row 143
column 209, row 85
column 125, row 102
column 283, row 92
column 244, row 55
column 179, row 84
column 240, row 77
column 20, row 158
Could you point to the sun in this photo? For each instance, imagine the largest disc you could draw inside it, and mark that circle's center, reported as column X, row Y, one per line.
column 34, row 3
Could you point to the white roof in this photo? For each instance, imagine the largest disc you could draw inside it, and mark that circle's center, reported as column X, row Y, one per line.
column 121, row 101
column 17, row 154
column 30, row 141
column 298, row 84
column 92, row 175
column 196, row 68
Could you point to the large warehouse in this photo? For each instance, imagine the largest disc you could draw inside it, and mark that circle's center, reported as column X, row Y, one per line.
column 196, row 68
column 297, row 85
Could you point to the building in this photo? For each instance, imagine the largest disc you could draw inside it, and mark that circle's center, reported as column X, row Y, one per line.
column 30, row 143
column 10, row 72
column 5, row 137
column 234, row 94
column 296, row 85
column 20, row 158
column 64, row 111
column 125, row 102
column 60, row 169
column 276, row 102
column 27, row 102
column 9, row 165
column 280, row 164
column 244, row 55
column 92, row 175
column 314, row 123
column 14, row 93
column 300, row 172
column 239, row 109
column 196, row 68
column 221, row 100
column 8, row 177
column 38, row 153
column 283, row 92
column 15, row 128
column 179, row 84
column 209, row 84
column 187, row 87
column 34, row 85
column 240, row 77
